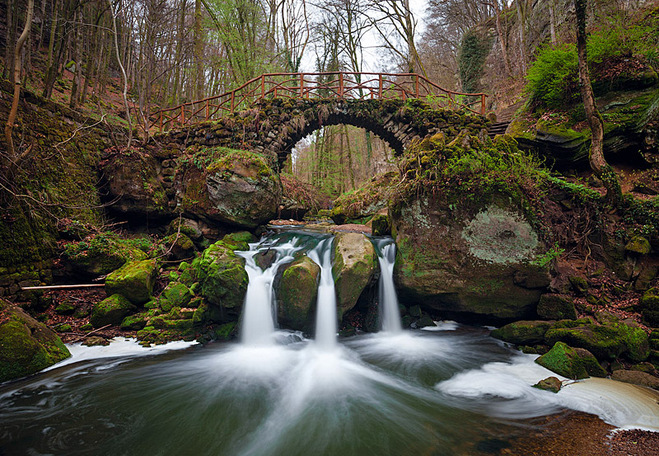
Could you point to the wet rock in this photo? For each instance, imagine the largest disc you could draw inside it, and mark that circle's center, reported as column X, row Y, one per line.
column 26, row 346
column 474, row 263
column 133, row 322
column 636, row 377
column 134, row 281
column 111, row 311
column 222, row 278
column 95, row 341
column 178, row 246
column 556, row 307
column 381, row 225
column 297, row 294
column 573, row 363
column 354, row 266
column 174, row 295
column 549, row 384
column 522, row 332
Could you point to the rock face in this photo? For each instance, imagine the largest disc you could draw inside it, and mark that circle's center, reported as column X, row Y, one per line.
column 134, row 281
column 571, row 362
column 243, row 189
column 355, row 263
column 470, row 262
column 298, row 293
column 26, row 346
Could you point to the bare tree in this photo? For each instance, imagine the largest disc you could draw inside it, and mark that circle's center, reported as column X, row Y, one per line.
column 596, row 158
column 9, row 126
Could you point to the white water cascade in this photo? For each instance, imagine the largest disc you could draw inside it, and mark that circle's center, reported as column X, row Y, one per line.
column 389, row 312
column 326, row 318
column 258, row 320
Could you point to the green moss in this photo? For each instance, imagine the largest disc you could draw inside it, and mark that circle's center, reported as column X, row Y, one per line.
column 134, row 280
column 133, row 322
column 111, row 311
column 571, row 363
column 522, row 332
column 222, row 276
column 174, row 295
column 105, row 252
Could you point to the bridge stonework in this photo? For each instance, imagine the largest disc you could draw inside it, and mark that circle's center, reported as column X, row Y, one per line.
column 274, row 127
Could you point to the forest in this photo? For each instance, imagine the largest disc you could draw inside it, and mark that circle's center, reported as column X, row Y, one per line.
column 356, row 227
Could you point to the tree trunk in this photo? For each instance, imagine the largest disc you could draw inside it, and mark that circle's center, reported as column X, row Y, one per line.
column 198, row 51
column 17, row 80
column 9, row 42
column 596, row 153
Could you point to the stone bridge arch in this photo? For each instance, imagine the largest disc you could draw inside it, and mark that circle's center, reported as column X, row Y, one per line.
column 400, row 123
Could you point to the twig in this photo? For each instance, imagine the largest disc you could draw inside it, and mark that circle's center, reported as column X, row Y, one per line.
column 90, row 332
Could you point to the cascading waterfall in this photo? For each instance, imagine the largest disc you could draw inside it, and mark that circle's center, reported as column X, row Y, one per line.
column 326, row 318
column 389, row 312
column 258, row 320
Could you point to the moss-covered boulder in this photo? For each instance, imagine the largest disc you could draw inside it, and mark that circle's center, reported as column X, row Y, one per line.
column 26, row 346
column 549, row 384
column 606, row 342
column 134, row 322
column 134, row 281
column 638, row 245
column 242, row 189
column 556, row 307
column 222, row 278
column 297, row 294
column 380, row 224
column 355, row 262
column 111, row 311
column 523, row 332
column 178, row 246
column 468, row 259
column 649, row 307
column 174, row 295
column 574, row 363
column 103, row 253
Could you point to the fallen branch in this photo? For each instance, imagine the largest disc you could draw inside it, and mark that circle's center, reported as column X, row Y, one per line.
column 90, row 332
column 63, row 287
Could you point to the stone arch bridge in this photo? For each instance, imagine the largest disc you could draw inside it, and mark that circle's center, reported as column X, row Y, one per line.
column 270, row 114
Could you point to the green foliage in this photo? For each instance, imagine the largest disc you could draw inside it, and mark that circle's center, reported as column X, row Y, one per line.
column 549, row 256
column 474, row 49
column 554, row 70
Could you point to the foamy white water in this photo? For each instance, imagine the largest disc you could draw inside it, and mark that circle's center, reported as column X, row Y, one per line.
column 326, row 317
column 390, row 314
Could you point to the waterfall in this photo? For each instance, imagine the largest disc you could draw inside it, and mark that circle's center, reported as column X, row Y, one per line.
column 326, row 318
column 258, row 320
column 389, row 312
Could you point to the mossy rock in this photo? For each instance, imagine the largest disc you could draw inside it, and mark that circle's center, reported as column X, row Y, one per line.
column 549, row 384
column 381, row 225
column 650, row 300
column 222, row 277
column 297, row 294
column 239, row 240
column 133, row 322
column 574, row 363
column 26, row 346
column 638, row 245
column 178, row 246
column 606, row 342
column 65, row 308
column 111, row 311
column 579, row 285
column 174, row 295
column 556, row 307
column 102, row 254
column 226, row 331
column 134, row 280
column 522, row 332
column 355, row 262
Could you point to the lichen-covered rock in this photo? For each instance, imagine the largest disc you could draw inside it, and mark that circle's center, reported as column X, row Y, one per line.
column 523, row 332
column 477, row 261
column 174, row 295
column 134, row 281
column 556, row 307
column 111, row 311
column 355, row 262
column 26, row 346
column 606, row 342
column 297, row 294
column 574, row 363
column 243, row 189
column 549, row 384
column 222, row 278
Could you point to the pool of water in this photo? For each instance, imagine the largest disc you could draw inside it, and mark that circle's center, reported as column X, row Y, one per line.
column 452, row 391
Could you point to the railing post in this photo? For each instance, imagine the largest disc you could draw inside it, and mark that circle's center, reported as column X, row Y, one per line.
column 207, row 110
column 262, row 86
column 233, row 99
column 416, row 85
column 380, row 86
column 340, row 85
column 182, row 115
column 482, row 104
column 301, row 85
column 160, row 122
